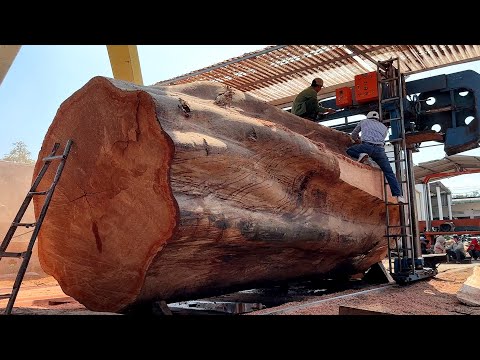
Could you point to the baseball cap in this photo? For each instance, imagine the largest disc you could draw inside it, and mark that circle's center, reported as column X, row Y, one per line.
column 373, row 115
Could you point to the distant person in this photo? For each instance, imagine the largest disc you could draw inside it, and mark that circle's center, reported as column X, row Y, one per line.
column 439, row 247
column 306, row 104
column 474, row 249
column 371, row 144
column 456, row 251
column 460, row 250
column 424, row 245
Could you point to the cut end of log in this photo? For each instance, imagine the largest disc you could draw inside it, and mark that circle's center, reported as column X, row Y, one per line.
column 114, row 208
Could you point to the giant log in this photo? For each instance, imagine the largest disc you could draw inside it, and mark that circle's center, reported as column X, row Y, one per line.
column 176, row 192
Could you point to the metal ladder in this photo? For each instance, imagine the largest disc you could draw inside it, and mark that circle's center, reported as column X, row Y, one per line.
column 18, row 218
column 402, row 256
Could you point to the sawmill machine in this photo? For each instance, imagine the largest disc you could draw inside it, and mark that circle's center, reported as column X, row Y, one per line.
column 440, row 108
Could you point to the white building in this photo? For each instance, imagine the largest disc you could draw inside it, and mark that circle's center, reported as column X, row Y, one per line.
column 441, row 205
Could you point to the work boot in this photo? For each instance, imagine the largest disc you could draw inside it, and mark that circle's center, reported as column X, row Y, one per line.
column 372, row 163
column 362, row 157
column 401, row 200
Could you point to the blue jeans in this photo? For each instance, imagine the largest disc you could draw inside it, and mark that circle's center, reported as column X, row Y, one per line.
column 475, row 254
column 377, row 153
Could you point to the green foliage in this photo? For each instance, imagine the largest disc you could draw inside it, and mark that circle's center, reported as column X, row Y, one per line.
column 19, row 154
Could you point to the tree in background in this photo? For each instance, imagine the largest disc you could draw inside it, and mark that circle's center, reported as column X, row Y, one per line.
column 19, row 154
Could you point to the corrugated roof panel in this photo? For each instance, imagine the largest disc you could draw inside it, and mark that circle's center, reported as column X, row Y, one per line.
column 281, row 71
column 414, row 59
column 470, row 51
column 446, row 165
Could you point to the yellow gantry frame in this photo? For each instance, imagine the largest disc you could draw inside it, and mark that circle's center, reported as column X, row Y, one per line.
column 125, row 63
column 7, row 55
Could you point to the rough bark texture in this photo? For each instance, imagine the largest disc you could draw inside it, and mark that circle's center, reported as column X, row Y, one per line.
column 154, row 204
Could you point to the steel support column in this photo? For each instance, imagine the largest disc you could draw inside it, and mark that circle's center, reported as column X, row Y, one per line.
column 125, row 63
column 439, row 203
column 449, row 201
column 7, row 56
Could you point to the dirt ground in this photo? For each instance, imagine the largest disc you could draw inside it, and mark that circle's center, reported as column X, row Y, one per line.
column 42, row 297
column 435, row 296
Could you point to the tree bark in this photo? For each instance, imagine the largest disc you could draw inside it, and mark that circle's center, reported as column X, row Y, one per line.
column 160, row 203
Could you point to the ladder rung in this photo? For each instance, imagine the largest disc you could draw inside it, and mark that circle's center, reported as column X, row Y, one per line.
column 390, row 99
column 398, row 161
column 392, row 119
column 39, row 192
column 389, row 79
column 16, row 222
column 50, row 158
column 27, row 225
column 397, row 203
column 12, row 254
column 395, row 140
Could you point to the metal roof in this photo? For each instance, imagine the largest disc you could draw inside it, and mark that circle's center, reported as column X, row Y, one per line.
column 276, row 74
column 449, row 166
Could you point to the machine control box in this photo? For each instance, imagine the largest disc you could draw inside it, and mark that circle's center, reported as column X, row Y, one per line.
column 343, row 97
column 366, row 87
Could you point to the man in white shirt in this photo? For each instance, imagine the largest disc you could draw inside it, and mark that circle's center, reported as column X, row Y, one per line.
column 371, row 145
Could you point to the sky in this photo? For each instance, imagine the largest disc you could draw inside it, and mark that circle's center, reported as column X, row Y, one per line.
column 43, row 76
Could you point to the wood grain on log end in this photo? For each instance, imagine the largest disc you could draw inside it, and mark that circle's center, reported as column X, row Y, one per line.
column 113, row 208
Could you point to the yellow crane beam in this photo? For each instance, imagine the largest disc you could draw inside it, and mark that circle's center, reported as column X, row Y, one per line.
column 125, row 63
column 7, row 55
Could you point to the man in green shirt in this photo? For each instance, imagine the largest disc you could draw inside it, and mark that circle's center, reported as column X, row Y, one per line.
column 306, row 104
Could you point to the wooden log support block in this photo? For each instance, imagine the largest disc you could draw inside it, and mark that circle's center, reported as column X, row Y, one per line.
column 348, row 310
column 469, row 293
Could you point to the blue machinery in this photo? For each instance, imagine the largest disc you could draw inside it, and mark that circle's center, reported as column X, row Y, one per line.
column 441, row 108
column 456, row 96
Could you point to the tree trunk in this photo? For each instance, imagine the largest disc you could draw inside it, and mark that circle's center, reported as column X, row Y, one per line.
column 168, row 199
